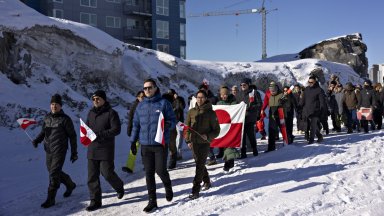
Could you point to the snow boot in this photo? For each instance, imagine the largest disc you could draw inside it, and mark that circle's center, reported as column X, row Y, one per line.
column 50, row 199
column 69, row 190
column 172, row 161
column 152, row 206
column 206, row 186
column 168, row 193
column 94, row 205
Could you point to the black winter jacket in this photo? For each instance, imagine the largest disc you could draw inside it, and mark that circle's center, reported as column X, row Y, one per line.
column 313, row 101
column 57, row 129
column 253, row 108
column 105, row 122
column 366, row 98
column 130, row 117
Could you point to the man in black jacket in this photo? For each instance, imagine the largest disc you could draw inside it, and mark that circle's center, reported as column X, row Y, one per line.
column 57, row 129
column 105, row 122
column 313, row 103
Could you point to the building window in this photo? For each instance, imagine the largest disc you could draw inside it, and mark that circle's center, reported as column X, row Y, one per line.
column 88, row 3
column 183, row 51
column 131, row 2
column 182, row 9
column 132, row 24
column 162, row 7
column 87, row 18
column 112, row 22
column 182, row 31
column 114, row 1
column 162, row 29
column 58, row 1
column 58, row 13
column 163, row 48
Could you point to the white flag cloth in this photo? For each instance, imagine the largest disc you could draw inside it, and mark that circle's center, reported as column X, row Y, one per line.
column 231, row 119
column 160, row 130
column 25, row 122
column 87, row 136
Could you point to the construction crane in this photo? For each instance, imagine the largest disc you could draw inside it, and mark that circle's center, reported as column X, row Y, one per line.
column 261, row 11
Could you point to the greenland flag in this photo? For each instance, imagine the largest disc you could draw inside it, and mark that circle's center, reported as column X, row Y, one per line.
column 160, row 130
column 25, row 122
column 87, row 136
column 231, row 119
column 251, row 96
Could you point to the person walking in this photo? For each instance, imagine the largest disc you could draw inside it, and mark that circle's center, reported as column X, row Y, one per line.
column 313, row 103
column 56, row 130
column 139, row 97
column 105, row 122
column 204, row 127
column 350, row 103
column 253, row 101
column 366, row 101
column 154, row 154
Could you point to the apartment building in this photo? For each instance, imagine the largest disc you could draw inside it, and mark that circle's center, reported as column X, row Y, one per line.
column 376, row 73
column 154, row 24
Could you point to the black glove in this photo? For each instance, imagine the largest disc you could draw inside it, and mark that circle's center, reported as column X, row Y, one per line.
column 35, row 143
column 133, row 148
column 74, row 157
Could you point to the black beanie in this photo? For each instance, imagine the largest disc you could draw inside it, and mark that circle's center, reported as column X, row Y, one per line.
column 100, row 93
column 246, row 81
column 56, row 99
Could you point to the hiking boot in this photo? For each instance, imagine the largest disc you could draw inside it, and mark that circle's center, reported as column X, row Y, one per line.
column 206, row 186
column 120, row 194
column 94, row 205
column 126, row 169
column 50, row 199
column 193, row 196
column 152, row 206
column 212, row 162
column 320, row 138
column 69, row 190
column 168, row 194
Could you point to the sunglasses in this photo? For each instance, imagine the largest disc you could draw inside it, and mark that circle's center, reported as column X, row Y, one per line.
column 310, row 82
column 148, row 88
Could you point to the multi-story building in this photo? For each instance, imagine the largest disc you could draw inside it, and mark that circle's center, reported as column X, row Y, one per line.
column 376, row 73
column 154, row 24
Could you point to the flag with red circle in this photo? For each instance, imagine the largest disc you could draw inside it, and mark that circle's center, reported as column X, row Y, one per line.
column 25, row 122
column 87, row 136
column 231, row 119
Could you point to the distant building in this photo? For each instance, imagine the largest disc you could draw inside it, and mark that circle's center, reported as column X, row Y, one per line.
column 154, row 24
column 376, row 73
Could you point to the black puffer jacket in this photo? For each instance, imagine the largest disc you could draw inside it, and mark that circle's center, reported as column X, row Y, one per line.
column 105, row 122
column 366, row 98
column 57, row 129
column 313, row 101
column 130, row 116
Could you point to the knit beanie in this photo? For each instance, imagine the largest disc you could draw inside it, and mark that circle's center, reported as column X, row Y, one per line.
column 100, row 93
column 56, row 99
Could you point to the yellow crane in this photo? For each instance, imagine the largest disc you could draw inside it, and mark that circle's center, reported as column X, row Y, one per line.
column 261, row 11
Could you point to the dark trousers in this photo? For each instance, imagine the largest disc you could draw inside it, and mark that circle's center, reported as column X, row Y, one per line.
column 273, row 131
column 289, row 125
column 249, row 131
column 107, row 169
column 200, row 153
column 55, row 164
column 313, row 126
column 155, row 161
column 335, row 121
column 378, row 118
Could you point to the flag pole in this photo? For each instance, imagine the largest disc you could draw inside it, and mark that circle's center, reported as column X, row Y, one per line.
column 28, row 136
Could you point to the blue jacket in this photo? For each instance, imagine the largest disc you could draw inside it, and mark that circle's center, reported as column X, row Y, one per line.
column 146, row 118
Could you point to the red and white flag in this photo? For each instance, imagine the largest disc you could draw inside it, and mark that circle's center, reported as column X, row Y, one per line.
column 25, row 122
column 251, row 96
column 231, row 119
column 87, row 136
column 182, row 127
column 160, row 130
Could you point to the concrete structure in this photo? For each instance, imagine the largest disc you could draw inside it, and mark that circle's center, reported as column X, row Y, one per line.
column 154, row 24
column 376, row 73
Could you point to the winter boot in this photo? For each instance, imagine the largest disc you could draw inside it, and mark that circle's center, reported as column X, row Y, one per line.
column 231, row 163
column 226, row 166
column 206, row 186
column 94, row 205
column 194, row 196
column 212, row 162
column 120, row 194
column 50, row 199
column 69, row 190
column 195, row 191
column 172, row 161
column 152, row 206
column 168, row 193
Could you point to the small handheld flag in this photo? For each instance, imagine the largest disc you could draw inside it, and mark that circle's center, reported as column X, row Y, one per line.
column 25, row 122
column 87, row 136
column 160, row 130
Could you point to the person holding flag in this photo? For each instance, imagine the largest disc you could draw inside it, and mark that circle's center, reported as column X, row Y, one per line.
column 152, row 122
column 56, row 130
column 204, row 126
column 105, row 123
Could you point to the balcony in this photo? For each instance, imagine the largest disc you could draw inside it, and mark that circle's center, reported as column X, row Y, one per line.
column 140, row 10
column 137, row 33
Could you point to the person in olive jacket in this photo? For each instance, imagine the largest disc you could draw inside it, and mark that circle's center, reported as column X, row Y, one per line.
column 105, row 122
column 57, row 129
column 204, row 127
column 154, row 154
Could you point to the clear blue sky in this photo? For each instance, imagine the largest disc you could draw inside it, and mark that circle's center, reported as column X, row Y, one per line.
column 294, row 26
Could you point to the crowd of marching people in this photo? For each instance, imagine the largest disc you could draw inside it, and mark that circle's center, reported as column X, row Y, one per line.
column 358, row 108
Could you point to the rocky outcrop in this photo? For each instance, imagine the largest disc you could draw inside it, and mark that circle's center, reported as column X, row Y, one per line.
column 347, row 49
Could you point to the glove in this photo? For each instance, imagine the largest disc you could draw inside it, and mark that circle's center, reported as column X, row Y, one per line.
column 74, row 157
column 133, row 148
column 35, row 143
